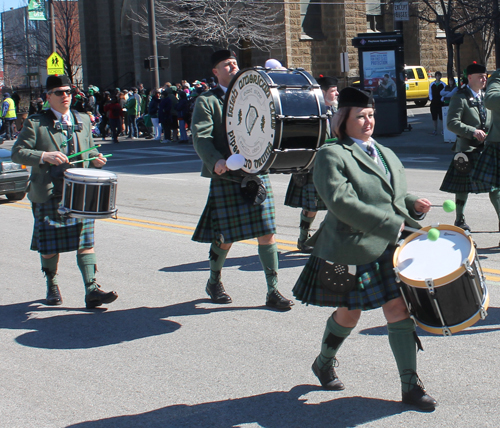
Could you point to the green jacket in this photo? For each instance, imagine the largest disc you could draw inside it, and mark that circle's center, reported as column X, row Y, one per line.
column 133, row 109
column 40, row 135
column 492, row 102
column 464, row 119
column 207, row 126
column 365, row 210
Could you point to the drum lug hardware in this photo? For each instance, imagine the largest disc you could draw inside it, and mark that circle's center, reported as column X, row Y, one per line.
column 396, row 272
column 483, row 313
column 446, row 332
column 468, row 268
column 430, row 285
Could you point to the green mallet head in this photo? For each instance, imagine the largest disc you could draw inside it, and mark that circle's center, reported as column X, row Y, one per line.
column 433, row 234
column 449, row 206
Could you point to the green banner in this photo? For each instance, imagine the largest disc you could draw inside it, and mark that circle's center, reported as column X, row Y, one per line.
column 37, row 10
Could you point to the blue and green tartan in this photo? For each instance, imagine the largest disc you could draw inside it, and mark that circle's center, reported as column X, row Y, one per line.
column 228, row 217
column 487, row 169
column 53, row 234
column 376, row 285
column 305, row 197
column 456, row 182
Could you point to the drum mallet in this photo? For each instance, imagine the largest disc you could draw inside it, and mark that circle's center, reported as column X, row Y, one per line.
column 449, row 206
column 432, row 234
column 83, row 151
column 91, row 159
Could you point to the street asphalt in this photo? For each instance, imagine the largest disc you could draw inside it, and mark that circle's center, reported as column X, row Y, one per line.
column 163, row 355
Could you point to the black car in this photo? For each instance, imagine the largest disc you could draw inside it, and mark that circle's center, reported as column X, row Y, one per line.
column 13, row 177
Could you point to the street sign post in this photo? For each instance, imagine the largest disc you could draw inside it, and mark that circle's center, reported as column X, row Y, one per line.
column 55, row 64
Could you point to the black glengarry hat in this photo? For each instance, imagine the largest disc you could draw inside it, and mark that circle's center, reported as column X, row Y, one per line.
column 354, row 97
column 475, row 68
column 221, row 55
column 327, row 82
column 55, row 81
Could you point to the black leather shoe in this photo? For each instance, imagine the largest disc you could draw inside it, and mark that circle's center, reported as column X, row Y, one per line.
column 276, row 300
column 419, row 397
column 462, row 224
column 303, row 248
column 217, row 293
column 98, row 297
column 53, row 296
column 328, row 378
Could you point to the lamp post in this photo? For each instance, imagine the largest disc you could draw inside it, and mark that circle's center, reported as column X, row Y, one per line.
column 155, row 77
column 52, row 26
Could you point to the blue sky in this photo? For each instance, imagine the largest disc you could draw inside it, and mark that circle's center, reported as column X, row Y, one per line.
column 7, row 4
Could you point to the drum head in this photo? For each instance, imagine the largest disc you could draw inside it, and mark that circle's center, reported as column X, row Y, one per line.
column 89, row 175
column 419, row 258
column 250, row 119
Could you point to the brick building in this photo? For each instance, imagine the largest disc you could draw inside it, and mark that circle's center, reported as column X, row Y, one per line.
column 314, row 37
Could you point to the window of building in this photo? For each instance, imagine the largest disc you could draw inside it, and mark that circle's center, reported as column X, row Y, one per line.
column 374, row 17
column 310, row 17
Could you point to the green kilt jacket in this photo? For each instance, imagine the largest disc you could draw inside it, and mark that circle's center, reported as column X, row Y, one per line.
column 365, row 208
column 227, row 217
column 52, row 233
column 487, row 170
column 463, row 120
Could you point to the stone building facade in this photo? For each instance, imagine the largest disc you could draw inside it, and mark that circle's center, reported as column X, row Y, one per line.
column 314, row 37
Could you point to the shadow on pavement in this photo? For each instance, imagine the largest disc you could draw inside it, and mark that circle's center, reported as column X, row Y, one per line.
column 482, row 326
column 248, row 264
column 271, row 410
column 73, row 328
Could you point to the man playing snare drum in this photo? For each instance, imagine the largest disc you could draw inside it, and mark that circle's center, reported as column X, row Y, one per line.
column 45, row 142
column 232, row 213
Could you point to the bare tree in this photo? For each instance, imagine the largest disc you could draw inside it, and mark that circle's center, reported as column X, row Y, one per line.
column 239, row 23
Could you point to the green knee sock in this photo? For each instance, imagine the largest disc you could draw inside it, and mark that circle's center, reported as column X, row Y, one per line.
column 460, row 201
column 268, row 255
column 87, row 264
column 404, row 349
column 305, row 225
column 49, row 268
column 217, row 257
column 495, row 201
column 333, row 337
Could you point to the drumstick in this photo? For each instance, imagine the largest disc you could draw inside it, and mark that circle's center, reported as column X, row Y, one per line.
column 83, row 151
column 91, row 159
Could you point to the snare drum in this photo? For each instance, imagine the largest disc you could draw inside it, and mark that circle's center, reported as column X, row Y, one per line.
column 88, row 193
column 276, row 119
column 443, row 283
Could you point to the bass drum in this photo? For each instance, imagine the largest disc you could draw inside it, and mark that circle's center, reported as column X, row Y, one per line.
column 276, row 119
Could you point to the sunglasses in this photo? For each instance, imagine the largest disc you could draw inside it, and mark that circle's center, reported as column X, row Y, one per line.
column 61, row 93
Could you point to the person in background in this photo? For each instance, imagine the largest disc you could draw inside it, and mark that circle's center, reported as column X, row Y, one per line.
column 165, row 116
column 435, row 89
column 154, row 104
column 8, row 115
column 114, row 113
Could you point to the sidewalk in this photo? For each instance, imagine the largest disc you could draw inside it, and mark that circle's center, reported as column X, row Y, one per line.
column 419, row 139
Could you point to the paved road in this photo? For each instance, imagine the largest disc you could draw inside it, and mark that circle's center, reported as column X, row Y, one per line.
column 163, row 356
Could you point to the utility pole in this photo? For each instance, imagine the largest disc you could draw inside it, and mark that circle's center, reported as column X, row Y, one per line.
column 52, row 26
column 155, row 77
column 496, row 30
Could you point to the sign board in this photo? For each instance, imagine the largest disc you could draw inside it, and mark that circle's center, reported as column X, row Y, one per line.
column 37, row 10
column 55, row 64
column 401, row 11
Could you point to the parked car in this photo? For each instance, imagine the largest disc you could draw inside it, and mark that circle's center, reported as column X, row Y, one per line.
column 13, row 177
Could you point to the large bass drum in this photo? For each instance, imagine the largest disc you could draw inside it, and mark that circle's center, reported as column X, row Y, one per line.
column 276, row 119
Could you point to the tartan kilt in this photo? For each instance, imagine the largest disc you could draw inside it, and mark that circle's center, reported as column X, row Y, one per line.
column 305, row 197
column 53, row 234
column 228, row 217
column 487, row 167
column 456, row 182
column 376, row 285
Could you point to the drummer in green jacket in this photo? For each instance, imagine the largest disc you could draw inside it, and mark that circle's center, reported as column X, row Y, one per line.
column 231, row 214
column 44, row 144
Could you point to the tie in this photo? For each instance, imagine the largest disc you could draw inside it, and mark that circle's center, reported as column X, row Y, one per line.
column 482, row 110
column 65, row 119
column 372, row 152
